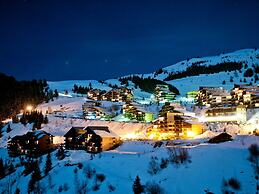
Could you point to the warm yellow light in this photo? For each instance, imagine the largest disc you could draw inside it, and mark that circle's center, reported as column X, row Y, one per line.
column 151, row 136
column 130, row 136
column 29, row 108
column 190, row 134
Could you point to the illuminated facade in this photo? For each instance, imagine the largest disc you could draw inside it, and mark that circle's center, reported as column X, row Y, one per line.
column 213, row 97
column 133, row 112
column 226, row 114
column 163, row 93
column 93, row 139
column 174, row 125
column 247, row 95
column 32, row 143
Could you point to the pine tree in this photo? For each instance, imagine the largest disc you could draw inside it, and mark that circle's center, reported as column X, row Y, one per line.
column 60, row 154
column 254, row 159
column 55, row 93
column 137, row 187
column 46, row 120
column 17, row 191
column 36, row 176
column 2, row 168
column 8, row 128
column 90, row 86
column 11, row 168
column 48, row 165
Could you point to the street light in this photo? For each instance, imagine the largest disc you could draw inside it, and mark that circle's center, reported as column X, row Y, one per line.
column 29, row 108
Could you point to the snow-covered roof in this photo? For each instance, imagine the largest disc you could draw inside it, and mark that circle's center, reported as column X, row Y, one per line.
column 105, row 133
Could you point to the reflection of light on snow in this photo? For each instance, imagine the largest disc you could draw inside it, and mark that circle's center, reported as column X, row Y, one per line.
column 65, row 95
column 130, row 136
column 252, row 123
column 219, row 118
column 6, row 121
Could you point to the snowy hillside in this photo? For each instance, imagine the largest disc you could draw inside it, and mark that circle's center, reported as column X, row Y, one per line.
column 205, row 168
column 209, row 165
column 247, row 57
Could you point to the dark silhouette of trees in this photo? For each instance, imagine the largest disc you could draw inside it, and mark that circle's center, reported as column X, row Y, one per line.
column 35, row 177
column 2, row 169
column 249, row 72
column 137, row 187
column 81, row 90
column 8, row 129
column 254, row 159
column 35, row 117
column 197, row 69
column 60, row 153
column 230, row 186
column 15, row 95
column 48, row 165
column 148, row 84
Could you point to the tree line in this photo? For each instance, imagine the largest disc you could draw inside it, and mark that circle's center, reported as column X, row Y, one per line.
column 81, row 89
column 147, row 84
column 15, row 95
column 195, row 69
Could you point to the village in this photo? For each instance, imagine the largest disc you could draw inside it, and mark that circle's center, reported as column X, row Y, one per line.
column 102, row 120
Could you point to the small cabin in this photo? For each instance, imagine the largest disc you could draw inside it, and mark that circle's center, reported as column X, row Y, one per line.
column 32, row 143
column 93, row 139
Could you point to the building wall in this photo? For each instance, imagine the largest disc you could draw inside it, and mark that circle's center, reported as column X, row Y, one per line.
column 109, row 143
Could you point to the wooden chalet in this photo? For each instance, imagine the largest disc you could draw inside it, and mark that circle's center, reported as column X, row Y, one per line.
column 93, row 139
column 72, row 141
column 33, row 143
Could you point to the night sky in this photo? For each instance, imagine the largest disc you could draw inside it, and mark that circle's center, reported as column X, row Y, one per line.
column 100, row 39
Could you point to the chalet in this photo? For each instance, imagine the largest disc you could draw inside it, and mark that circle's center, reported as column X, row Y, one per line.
column 192, row 94
column 72, row 141
column 213, row 97
column 163, row 93
column 118, row 95
column 112, row 95
column 174, row 125
column 226, row 114
column 95, row 94
column 32, row 143
column 94, row 113
column 246, row 95
column 93, row 139
column 135, row 112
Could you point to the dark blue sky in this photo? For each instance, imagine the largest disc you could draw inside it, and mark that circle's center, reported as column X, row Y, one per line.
column 100, row 39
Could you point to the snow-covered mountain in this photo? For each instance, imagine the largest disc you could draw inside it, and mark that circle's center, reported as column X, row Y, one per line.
column 208, row 164
column 249, row 58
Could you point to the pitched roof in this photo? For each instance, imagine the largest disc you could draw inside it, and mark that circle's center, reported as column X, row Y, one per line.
column 75, row 131
column 100, row 128
column 36, row 135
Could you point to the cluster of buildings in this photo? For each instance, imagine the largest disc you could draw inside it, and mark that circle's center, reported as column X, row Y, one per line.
column 163, row 93
column 92, row 110
column 115, row 95
column 32, row 143
column 173, row 124
column 247, row 95
column 93, row 139
column 224, row 106
column 136, row 112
